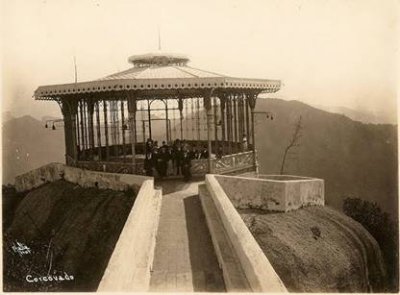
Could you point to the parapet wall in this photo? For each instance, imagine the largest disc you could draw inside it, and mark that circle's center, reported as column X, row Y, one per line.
column 85, row 178
column 259, row 272
column 273, row 192
column 130, row 265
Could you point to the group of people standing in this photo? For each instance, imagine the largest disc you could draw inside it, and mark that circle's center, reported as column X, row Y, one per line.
column 172, row 159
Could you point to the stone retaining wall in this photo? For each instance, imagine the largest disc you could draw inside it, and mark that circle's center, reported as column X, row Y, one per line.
column 85, row 178
column 130, row 265
column 259, row 272
column 273, row 192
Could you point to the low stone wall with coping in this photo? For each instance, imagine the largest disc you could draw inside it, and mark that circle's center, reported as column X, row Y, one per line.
column 130, row 264
column 273, row 192
column 85, row 178
column 259, row 272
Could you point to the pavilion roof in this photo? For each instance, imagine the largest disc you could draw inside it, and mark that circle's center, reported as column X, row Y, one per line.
column 158, row 74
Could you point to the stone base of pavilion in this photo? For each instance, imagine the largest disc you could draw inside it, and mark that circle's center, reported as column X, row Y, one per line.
column 239, row 162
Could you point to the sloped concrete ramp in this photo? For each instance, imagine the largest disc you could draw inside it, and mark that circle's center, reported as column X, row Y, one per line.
column 184, row 259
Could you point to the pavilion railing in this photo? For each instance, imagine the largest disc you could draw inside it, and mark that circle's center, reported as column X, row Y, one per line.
column 112, row 167
column 116, row 152
column 242, row 161
column 234, row 162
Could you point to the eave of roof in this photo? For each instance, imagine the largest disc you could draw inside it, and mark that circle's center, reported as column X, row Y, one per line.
column 158, row 80
column 142, row 85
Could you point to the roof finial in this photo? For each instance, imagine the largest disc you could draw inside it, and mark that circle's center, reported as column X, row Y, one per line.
column 159, row 38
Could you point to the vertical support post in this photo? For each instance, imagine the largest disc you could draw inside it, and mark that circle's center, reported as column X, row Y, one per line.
column 106, row 130
column 235, row 121
column 83, row 143
column 69, row 109
column 222, row 104
column 207, row 106
column 241, row 122
column 85, row 125
column 247, row 120
column 229, row 123
column 132, row 107
column 98, row 128
column 166, row 121
column 90, row 110
column 215, row 124
column 149, row 116
column 123, row 129
column 198, row 125
column 78, row 137
column 180, row 106
column 252, row 103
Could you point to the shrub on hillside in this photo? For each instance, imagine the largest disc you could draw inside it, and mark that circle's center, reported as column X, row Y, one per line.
column 382, row 228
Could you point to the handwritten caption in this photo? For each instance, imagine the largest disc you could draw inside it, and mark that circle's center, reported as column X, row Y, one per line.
column 49, row 278
column 20, row 248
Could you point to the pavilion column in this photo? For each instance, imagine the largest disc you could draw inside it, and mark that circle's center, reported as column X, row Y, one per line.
column 123, row 129
column 229, row 123
column 207, row 106
column 85, row 125
column 78, row 136
column 69, row 108
column 180, row 106
column 252, row 103
column 166, row 121
column 241, row 122
column 132, row 108
column 82, row 125
column 235, row 121
column 246, row 103
column 216, row 147
column 90, row 108
column 222, row 104
column 106, row 130
column 98, row 129
column 149, row 116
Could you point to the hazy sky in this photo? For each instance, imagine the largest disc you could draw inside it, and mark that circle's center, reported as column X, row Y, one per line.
column 334, row 53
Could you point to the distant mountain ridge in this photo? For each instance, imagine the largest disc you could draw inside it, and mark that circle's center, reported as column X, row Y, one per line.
column 361, row 116
column 27, row 145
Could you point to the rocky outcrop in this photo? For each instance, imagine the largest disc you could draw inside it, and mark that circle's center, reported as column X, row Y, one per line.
column 317, row 249
column 70, row 230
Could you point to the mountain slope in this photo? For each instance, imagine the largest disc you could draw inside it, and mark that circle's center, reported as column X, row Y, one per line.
column 28, row 145
column 354, row 159
column 362, row 116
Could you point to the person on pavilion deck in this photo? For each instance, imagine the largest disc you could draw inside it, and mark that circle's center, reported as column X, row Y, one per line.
column 186, row 164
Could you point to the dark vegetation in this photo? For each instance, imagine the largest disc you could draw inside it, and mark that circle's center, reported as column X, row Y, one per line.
column 385, row 231
column 69, row 230
column 318, row 249
column 10, row 200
